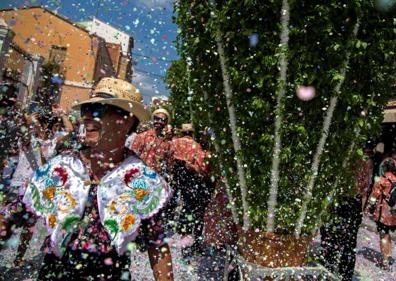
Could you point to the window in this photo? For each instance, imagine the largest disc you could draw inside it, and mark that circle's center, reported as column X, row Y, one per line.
column 57, row 54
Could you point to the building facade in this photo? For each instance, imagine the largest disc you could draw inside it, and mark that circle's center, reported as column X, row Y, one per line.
column 118, row 43
column 83, row 56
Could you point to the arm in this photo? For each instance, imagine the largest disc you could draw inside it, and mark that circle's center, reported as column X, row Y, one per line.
column 374, row 196
column 198, row 160
column 67, row 123
column 137, row 144
column 5, row 229
column 58, row 111
column 161, row 262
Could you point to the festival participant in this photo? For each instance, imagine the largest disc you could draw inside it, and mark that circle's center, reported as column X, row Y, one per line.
column 189, row 173
column 339, row 236
column 153, row 146
column 9, row 115
column 384, row 215
column 96, row 200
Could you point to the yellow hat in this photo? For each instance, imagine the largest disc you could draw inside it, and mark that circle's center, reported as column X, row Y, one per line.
column 187, row 127
column 163, row 111
column 121, row 94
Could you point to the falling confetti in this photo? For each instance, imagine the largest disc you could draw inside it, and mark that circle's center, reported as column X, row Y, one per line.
column 305, row 93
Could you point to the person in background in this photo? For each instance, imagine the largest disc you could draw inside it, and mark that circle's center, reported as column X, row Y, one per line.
column 10, row 114
column 339, row 236
column 33, row 140
column 97, row 200
column 383, row 214
column 189, row 174
column 60, row 130
column 153, row 145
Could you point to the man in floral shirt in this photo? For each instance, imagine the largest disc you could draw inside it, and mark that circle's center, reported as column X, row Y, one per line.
column 97, row 200
column 153, row 146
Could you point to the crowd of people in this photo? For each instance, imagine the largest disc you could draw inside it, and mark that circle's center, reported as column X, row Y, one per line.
column 119, row 173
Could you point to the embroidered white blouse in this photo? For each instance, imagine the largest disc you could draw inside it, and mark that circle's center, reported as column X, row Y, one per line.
column 58, row 193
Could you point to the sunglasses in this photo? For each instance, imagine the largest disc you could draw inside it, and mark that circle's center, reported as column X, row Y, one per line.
column 159, row 119
column 98, row 110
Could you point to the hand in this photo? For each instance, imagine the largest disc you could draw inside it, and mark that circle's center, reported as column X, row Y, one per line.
column 32, row 118
column 5, row 228
column 370, row 209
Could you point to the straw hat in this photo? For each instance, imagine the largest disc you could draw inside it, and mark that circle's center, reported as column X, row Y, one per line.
column 163, row 111
column 187, row 128
column 121, row 94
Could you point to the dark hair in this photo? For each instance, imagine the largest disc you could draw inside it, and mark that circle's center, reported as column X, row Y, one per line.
column 52, row 121
column 389, row 165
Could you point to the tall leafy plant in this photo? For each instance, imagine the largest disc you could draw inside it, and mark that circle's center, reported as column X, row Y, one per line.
column 295, row 152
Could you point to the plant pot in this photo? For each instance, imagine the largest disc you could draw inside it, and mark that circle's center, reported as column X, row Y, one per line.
column 273, row 250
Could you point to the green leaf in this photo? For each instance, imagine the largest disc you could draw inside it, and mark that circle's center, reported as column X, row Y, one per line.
column 37, row 200
column 70, row 222
column 112, row 225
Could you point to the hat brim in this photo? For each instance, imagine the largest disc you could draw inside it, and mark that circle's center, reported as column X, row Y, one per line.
column 136, row 108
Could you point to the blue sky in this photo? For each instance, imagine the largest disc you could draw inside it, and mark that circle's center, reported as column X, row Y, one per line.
column 148, row 21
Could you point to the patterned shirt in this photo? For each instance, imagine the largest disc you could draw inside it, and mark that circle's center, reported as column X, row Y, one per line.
column 91, row 235
column 381, row 189
column 154, row 150
column 188, row 150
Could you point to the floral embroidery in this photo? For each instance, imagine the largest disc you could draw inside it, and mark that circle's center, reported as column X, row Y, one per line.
column 62, row 174
column 128, row 221
column 121, row 200
column 130, row 174
column 140, row 194
column 42, row 171
column 49, row 193
column 140, row 184
column 149, row 173
column 70, row 202
column 112, row 206
column 51, row 220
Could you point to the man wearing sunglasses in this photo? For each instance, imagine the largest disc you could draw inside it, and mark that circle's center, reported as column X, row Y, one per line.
column 153, row 146
column 97, row 200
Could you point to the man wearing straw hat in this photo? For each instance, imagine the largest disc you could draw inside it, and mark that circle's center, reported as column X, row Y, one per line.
column 96, row 200
column 153, row 145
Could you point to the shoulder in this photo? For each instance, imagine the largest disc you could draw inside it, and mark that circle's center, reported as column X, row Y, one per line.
column 68, row 164
column 150, row 132
column 132, row 167
column 391, row 176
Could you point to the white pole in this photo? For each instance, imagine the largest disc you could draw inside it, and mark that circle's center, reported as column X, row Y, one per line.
column 234, row 135
column 322, row 141
column 283, row 64
column 336, row 184
column 231, row 113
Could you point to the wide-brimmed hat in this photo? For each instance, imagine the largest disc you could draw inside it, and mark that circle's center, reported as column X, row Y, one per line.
column 163, row 111
column 118, row 93
column 188, row 127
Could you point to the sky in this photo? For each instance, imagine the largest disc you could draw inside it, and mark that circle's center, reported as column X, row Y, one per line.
column 149, row 22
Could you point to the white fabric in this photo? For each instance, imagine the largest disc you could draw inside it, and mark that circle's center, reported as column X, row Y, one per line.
column 59, row 190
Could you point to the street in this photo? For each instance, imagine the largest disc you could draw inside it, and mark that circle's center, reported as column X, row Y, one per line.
column 368, row 255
